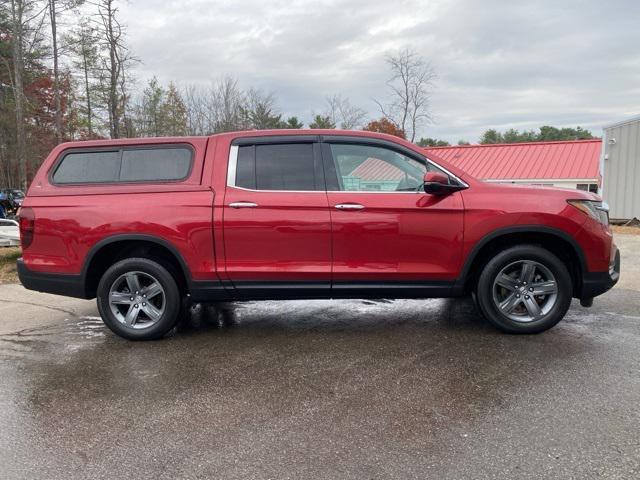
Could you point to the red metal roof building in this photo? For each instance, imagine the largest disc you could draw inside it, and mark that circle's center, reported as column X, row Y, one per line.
column 569, row 164
column 373, row 169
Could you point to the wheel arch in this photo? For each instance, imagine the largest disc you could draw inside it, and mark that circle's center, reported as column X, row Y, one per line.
column 116, row 247
column 557, row 241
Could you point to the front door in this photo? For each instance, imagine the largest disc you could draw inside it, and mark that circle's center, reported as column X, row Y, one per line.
column 277, row 227
column 389, row 236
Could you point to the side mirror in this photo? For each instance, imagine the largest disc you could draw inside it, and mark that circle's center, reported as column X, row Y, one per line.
column 435, row 183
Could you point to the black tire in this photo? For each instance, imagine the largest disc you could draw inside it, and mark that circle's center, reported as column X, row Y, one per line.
column 485, row 293
column 170, row 313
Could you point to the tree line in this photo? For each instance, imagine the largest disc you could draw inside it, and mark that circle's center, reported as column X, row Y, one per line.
column 59, row 84
column 545, row 133
column 66, row 74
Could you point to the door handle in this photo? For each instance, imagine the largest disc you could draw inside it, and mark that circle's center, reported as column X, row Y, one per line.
column 349, row 206
column 243, row 205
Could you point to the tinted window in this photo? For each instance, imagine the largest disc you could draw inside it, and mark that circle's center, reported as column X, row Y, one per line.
column 375, row 169
column 155, row 164
column 246, row 168
column 89, row 167
column 276, row 167
column 126, row 165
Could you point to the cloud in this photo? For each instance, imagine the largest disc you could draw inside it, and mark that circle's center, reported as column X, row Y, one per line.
column 500, row 63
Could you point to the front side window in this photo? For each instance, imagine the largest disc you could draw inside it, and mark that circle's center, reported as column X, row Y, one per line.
column 364, row 168
column 276, row 167
column 160, row 164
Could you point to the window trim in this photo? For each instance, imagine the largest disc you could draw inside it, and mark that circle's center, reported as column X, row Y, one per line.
column 379, row 143
column 232, row 165
column 121, row 148
column 321, row 143
column 274, row 140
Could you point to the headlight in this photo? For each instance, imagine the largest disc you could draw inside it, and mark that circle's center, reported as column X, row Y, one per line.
column 599, row 211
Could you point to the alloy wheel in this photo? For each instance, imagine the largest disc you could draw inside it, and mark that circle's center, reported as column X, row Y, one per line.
column 137, row 300
column 525, row 291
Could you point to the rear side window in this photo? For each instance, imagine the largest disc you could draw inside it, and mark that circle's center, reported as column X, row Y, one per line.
column 171, row 163
column 88, row 167
column 246, row 168
column 276, row 167
column 155, row 164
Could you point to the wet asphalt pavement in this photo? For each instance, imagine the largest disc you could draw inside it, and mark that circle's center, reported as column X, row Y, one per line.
column 320, row 389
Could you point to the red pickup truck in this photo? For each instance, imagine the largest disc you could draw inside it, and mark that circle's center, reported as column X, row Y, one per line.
column 146, row 225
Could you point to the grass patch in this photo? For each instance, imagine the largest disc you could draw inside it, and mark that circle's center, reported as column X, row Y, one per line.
column 8, row 257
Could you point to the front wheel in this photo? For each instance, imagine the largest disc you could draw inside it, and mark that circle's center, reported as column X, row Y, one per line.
column 524, row 289
column 139, row 299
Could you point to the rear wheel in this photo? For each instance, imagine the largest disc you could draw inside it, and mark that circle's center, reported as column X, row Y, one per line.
column 524, row 289
column 139, row 299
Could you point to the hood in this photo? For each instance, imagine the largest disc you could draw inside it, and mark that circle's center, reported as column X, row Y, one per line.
column 568, row 193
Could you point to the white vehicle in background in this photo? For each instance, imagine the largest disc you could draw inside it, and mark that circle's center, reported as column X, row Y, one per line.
column 9, row 233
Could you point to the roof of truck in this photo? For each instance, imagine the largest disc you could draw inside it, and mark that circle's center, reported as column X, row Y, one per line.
column 258, row 133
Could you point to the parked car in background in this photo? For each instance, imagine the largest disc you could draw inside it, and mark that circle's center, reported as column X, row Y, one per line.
column 16, row 196
column 10, row 202
column 9, row 233
column 3, row 201
column 148, row 225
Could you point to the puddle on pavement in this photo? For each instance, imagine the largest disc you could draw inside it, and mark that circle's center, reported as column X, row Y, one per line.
column 428, row 365
column 69, row 335
column 275, row 317
column 75, row 333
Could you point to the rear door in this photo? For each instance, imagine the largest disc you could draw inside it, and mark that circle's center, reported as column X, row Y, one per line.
column 388, row 234
column 277, row 227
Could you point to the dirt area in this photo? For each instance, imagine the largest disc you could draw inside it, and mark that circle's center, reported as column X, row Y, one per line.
column 633, row 230
column 8, row 256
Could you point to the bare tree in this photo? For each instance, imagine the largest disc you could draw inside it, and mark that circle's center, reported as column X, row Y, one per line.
column 26, row 18
column 6, row 164
column 114, row 66
column 83, row 44
column 228, row 103
column 53, row 19
column 195, row 99
column 411, row 81
column 17, row 22
column 221, row 107
column 224, row 106
column 343, row 113
column 54, row 13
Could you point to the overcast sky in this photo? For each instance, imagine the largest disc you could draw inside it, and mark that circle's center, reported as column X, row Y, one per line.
column 500, row 63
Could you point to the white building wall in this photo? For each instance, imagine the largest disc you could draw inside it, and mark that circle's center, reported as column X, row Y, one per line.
column 621, row 168
column 573, row 183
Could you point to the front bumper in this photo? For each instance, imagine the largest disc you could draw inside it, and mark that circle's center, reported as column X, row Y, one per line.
column 597, row 283
column 56, row 283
